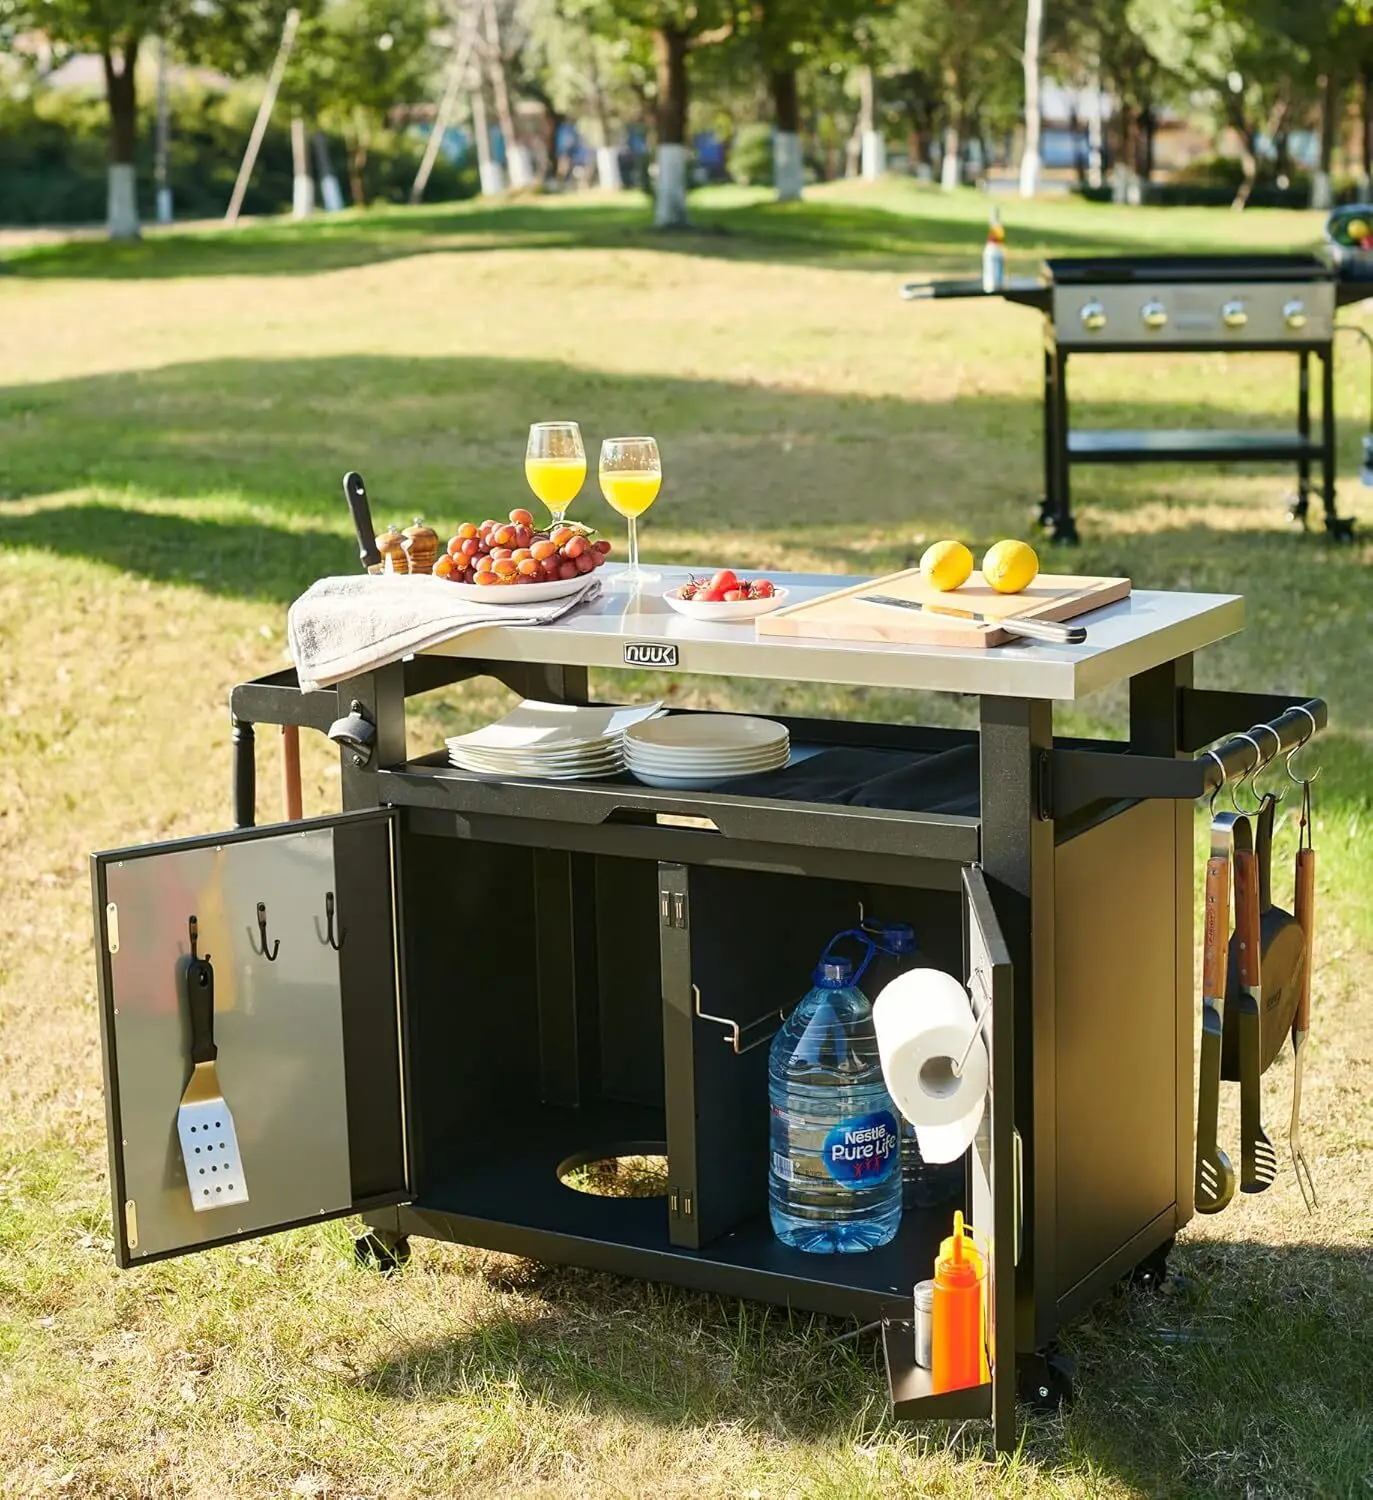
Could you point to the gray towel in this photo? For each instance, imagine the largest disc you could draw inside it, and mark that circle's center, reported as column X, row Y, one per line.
column 342, row 626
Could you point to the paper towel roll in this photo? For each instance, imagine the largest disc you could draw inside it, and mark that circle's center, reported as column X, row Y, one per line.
column 924, row 1020
column 945, row 1143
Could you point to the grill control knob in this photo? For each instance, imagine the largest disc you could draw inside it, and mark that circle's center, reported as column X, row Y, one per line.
column 1093, row 316
column 1294, row 313
column 1233, row 315
column 1154, row 314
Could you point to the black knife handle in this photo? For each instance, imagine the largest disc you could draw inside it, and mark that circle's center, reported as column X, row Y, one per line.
column 355, row 493
column 198, row 980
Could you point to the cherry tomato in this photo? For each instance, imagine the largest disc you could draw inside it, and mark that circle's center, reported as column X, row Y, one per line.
column 734, row 596
column 725, row 579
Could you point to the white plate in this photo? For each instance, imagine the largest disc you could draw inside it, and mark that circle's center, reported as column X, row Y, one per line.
column 537, row 727
column 689, row 783
column 581, row 773
column 606, row 750
column 701, row 761
column 739, row 609
column 520, row 593
column 538, row 767
column 706, row 733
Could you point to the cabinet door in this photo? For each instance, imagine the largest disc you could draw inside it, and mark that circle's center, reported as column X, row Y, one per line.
column 993, row 1162
column 307, row 1025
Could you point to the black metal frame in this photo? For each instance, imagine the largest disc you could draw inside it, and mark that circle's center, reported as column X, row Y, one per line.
column 1064, row 447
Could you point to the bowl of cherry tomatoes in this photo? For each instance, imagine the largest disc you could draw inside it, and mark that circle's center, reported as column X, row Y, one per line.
column 726, row 596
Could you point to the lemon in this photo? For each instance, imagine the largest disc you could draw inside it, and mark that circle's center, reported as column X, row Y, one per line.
column 1357, row 228
column 945, row 565
column 1010, row 566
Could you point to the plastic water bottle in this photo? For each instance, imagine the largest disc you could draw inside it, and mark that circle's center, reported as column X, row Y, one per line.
column 923, row 1184
column 834, row 1183
column 994, row 256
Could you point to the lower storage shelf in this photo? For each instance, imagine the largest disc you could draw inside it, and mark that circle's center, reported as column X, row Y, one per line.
column 506, row 1196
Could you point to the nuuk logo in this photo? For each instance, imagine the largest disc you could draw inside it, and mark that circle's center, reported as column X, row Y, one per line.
column 650, row 654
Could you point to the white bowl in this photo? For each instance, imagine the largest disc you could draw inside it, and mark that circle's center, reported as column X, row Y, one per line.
column 739, row 609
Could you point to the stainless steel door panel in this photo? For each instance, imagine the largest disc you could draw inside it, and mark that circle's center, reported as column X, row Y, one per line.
column 278, row 1026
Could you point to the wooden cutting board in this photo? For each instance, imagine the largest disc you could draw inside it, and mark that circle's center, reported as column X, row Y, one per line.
column 844, row 616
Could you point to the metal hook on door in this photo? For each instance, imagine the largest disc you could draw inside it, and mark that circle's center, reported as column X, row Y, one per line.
column 334, row 943
column 270, row 954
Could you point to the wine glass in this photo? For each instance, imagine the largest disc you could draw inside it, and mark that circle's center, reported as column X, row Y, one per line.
column 555, row 465
column 630, row 474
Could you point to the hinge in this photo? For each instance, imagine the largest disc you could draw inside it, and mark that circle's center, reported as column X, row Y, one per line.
column 131, row 1223
column 672, row 908
column 112, row 927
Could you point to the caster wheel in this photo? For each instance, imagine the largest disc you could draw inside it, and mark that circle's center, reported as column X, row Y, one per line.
column 1151, row 1274
column 1340, row 529
column 1297, row 507
column 1044, row 516
column 1045, row 1380
column 384, row 1253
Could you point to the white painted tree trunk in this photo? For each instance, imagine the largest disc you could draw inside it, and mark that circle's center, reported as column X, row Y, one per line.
column 786, row 166
column 302, row 184
column 874, row 156
column 1322, row 196
column 331, row 193
column 521, row 165
column 670, row 198
column 1095, row 154
column 489, row 171
column 950, row 173
column 608, row 168
column 1030, row 157
column 121, row 202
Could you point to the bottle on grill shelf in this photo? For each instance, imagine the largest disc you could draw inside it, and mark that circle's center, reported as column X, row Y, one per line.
column 994, row 255
column 923, row 1184
column 834, row 1180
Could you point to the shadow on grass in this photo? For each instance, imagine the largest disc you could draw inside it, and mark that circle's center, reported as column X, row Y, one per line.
column 1252, row 1363
column 829, row 230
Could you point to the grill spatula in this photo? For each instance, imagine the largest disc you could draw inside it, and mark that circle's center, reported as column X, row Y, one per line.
column 1258, row 1158
column 1215, row 1180
column 209, row 1144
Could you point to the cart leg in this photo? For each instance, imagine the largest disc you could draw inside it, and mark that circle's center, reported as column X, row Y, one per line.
column 1064, row 527
column 382, row 1250
column 245, row 775
column 1339, row 529
column 1302, row 501
column 1049, row 503
column 290, row 772
column 1151, row 1274
column 1045, row 1378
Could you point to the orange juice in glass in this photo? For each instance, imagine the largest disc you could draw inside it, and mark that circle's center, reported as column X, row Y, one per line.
column 555, row 465
column 631, row 474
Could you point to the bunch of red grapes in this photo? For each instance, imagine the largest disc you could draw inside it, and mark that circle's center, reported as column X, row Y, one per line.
column 514, row 552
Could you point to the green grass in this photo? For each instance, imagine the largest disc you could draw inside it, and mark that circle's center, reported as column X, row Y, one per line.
column 174, row 420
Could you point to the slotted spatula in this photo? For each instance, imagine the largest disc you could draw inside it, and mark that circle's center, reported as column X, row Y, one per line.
column 209, row 1143
column 1258, row 1157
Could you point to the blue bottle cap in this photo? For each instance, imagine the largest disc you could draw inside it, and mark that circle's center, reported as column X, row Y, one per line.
column 897, row 937
column 833, row 974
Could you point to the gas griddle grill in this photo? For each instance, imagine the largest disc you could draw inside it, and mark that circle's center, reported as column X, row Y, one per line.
column 1189, row 304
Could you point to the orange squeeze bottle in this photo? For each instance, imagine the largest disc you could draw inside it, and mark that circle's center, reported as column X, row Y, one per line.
column 956, row 1319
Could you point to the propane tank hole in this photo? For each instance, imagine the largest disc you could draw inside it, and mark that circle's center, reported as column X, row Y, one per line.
column 629, row 1169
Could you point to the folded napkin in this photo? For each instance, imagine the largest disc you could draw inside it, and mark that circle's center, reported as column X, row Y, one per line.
column 342, row 626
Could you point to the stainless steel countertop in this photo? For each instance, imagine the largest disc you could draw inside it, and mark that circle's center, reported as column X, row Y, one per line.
column 1148, row 628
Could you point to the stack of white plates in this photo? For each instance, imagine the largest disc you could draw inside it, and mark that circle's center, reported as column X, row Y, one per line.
column 688, row 751
column 556, row 741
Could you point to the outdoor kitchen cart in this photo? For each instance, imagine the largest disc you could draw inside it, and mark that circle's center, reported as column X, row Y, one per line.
column 378, row 1063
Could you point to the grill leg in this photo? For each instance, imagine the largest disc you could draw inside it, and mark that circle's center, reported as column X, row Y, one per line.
column 1064, row 527
column 1049, row 504
column 1301, row 504
column 1339, row 529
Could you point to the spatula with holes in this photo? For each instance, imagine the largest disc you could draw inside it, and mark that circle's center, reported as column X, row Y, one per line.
column 1258, row 1157
column 209, row 1143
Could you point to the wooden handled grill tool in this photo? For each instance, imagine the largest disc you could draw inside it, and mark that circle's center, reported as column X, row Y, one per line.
column 1304, row 907
column 1215, row 1179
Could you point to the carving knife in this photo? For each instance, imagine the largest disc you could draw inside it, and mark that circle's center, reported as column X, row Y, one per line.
column 1034, row 630
column 355, row 493
column 1258, row 1158
column 1215, row 1179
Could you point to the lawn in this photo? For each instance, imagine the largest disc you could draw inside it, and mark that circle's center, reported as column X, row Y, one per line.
column 174, row 420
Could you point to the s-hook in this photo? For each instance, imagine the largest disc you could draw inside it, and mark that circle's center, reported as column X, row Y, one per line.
column 334, row 942
column 1277, row 750
column 1259, row 763
column 1303, row 781
column 269, row 953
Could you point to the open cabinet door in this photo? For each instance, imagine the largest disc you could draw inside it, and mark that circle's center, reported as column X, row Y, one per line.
column 993, row 1199
column 994, row 1167
column 306, row 1026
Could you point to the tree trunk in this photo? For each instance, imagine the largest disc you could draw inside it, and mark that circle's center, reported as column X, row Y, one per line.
column 517, row 163
column 302, row 184
column 1148, row 121
column 786, row 145
column 873, row 144
column 670, row 54
column 1249, row 163
column 1030, row 160
column 1366, row 130
column 1321, row 195
column 121, row 202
